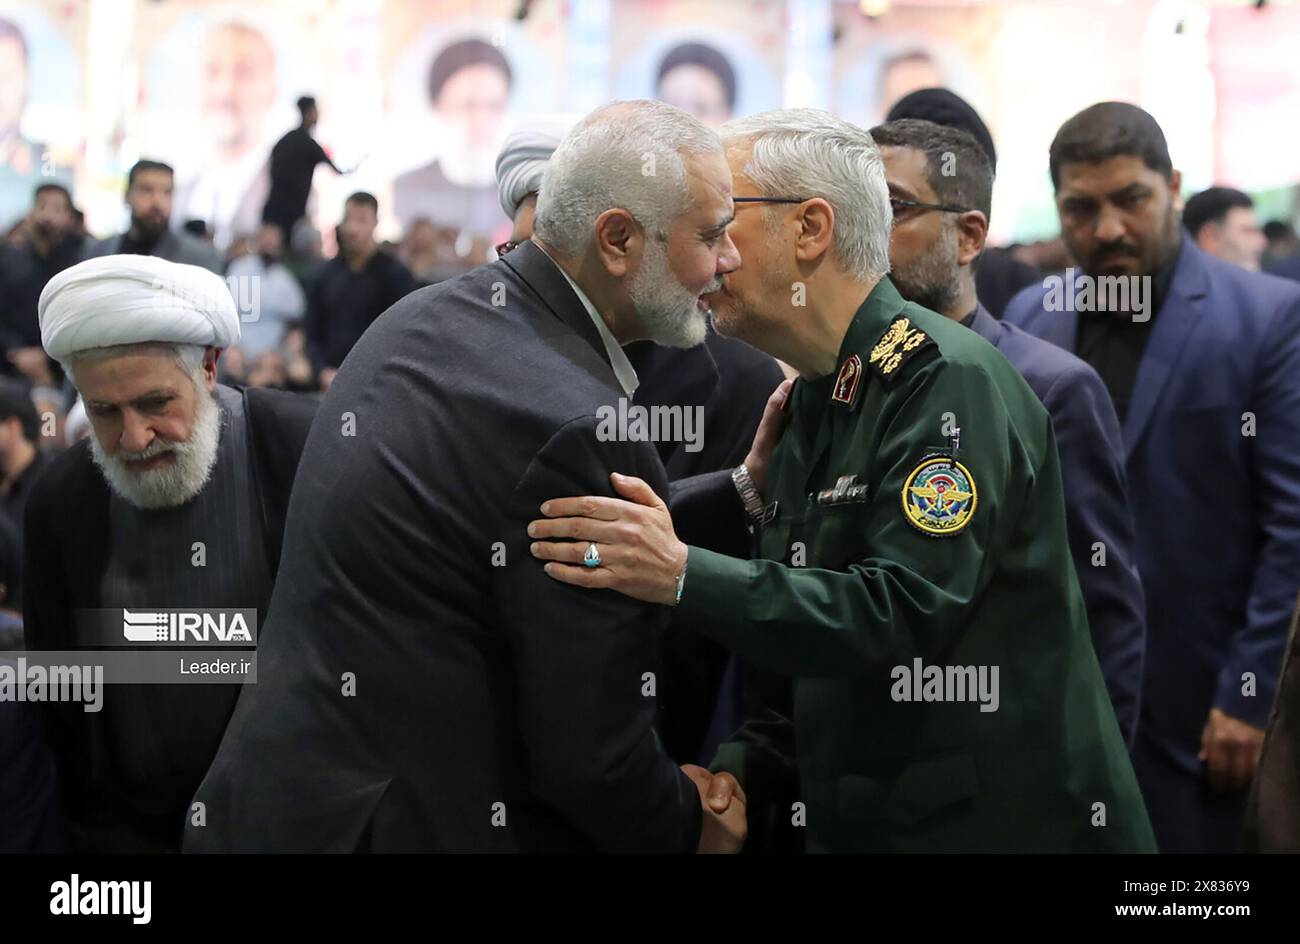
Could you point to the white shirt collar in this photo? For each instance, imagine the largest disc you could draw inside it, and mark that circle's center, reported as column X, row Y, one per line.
column 624, row 372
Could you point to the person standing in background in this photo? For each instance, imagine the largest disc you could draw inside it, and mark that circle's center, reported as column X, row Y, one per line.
column 353, row 289
column 1200, row 358
column 1222, row 223
column 293, row 163
column 149, row 187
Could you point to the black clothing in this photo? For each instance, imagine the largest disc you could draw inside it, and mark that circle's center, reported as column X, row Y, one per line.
column 342, row 303
column 67, row 556
column 293, row 161
column 23, row 274
column 1113, row 343
column 493, row 708
column 731, row 382
column 13, row 503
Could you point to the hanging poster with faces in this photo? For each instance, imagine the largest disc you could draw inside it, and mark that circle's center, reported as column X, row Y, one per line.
column 1257, row 84
column 458, row 75
column 1009, row 61
column 879, row 59
column 717, row 59
column 42, row 135
column 218, row 83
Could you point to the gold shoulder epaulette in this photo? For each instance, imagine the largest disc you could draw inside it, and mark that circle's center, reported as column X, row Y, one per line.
column 899, row 344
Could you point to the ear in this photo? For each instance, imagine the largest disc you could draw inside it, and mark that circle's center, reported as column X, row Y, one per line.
column 1210, row 238
column 210, row 356
column 972, row 230
column 1176, row 189
column 816, row 235
column 619, row 240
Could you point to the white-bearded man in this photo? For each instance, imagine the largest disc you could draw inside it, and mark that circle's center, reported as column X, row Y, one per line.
column 174, row 460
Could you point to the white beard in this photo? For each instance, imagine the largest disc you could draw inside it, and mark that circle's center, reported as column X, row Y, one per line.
column 669, row 313
column 174, row 484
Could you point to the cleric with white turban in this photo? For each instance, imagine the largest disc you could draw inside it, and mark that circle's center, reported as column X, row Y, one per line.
column 177, row 500
column 131, row 299
column 521, row 164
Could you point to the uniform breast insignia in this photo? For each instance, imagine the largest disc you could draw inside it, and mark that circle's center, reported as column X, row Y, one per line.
column 897, row 346
column 939, row 497
column 846, row 384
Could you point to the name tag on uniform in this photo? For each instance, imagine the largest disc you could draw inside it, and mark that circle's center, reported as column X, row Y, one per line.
column 845, row 492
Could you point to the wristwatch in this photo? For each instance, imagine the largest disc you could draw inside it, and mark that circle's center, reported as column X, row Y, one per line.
column 749, row 496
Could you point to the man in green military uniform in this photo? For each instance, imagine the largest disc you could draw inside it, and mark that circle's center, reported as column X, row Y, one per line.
column 917, row 644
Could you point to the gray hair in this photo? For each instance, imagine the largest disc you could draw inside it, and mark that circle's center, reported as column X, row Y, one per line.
column 630, row 155
column 803, row 152
column 188, row 357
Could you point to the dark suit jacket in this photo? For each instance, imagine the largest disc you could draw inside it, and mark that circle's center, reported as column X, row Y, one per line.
column 1096, row 503
column 1212, row 443
column 422, row 683
column 730, row 382
column 65, row 557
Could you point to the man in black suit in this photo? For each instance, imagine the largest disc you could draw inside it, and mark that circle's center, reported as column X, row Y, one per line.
column 176, row 500
column 423, row 685
column 726, row 384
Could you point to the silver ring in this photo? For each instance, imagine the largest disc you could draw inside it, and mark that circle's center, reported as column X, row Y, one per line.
column 592, row 557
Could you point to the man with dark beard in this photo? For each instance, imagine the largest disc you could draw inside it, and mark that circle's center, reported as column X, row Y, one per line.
column 149, row 195
column 940, row 221
column 177, row 500
column 1201, row 359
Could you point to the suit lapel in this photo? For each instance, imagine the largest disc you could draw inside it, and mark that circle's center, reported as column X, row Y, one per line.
column 1060, row 327
column 545, row 278
column 1175, row 323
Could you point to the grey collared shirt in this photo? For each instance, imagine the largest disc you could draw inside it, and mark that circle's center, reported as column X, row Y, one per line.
column 624, row 372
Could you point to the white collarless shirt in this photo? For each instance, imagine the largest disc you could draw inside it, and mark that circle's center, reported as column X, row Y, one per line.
column 624, row 372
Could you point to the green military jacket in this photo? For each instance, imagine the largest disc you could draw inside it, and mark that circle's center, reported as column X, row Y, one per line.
column 913, row 628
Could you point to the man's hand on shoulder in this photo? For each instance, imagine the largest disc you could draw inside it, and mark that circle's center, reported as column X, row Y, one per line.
column 636, row 550
column 768, row 434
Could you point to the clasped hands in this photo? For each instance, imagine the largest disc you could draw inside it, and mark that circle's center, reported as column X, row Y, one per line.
column 723, row 826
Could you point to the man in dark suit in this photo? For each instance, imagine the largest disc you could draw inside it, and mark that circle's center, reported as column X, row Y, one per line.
column 149, row 186
column 940, row 221
column 1200, row 358
column 726, row 383
column 176, row 500
column 423, row 685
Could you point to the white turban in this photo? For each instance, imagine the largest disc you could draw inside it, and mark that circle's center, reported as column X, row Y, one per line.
column 130, row 299
column 524, row 155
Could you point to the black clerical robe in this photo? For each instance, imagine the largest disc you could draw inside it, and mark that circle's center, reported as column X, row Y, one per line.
column 127, row 772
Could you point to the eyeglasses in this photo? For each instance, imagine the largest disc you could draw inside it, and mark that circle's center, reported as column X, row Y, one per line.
column 897, row 203
column 508, row 246
column 768, row 199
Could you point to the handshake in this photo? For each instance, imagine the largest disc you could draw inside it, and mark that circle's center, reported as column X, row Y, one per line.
column 723, row 826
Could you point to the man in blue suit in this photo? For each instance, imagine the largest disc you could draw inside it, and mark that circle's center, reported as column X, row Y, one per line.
column 1201, row 359
column 940, row 222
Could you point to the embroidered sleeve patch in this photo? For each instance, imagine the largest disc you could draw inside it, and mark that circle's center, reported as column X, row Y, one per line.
column 899, row 344
column 939, row 497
